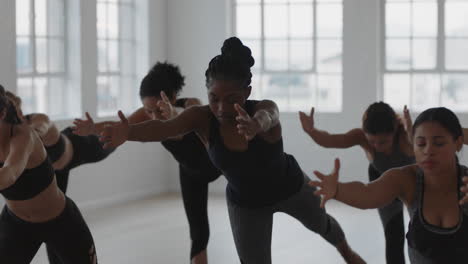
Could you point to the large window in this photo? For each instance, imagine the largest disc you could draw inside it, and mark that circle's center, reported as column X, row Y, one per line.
column 117, row 85
column 297, row 46
column 40, row 57
column 426, row 53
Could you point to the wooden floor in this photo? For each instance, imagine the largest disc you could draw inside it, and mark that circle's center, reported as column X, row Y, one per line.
column 155, row 230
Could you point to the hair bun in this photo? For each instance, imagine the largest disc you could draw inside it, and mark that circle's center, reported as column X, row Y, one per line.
column 234, row 49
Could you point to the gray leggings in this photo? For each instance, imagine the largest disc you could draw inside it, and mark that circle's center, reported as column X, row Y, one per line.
column 252, row 227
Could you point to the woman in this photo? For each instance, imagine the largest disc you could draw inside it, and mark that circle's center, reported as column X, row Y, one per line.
column 386, row 143
column 244, row 141
column 65, row 150
column 438, row 230
column 36, row 210
column 159, row 93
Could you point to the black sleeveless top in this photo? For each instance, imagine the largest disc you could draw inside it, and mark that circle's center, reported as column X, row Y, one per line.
column 31, row 182
column 260, row 176
column 191, row 153
column 56, row 150
column 434, row 244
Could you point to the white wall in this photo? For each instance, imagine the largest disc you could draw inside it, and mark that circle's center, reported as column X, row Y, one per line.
column 197, row 29
column 135, row 169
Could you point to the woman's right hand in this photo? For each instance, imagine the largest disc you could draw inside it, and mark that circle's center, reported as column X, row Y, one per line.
column 307, row 122
column 84, row 127
column 328, row 184
column 115, row 135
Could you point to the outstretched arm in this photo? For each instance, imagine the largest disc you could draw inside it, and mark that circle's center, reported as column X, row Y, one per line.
column 154, row 130
column 354, row 137
column 375, row 194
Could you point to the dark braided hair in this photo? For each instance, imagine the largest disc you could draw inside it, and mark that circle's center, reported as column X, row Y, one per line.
column 5, row 103
column 379, row 118
column 233, row 64
column 163, row 76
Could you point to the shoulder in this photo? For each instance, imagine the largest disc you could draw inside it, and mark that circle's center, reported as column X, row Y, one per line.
column 192, row 101
column 405, row 177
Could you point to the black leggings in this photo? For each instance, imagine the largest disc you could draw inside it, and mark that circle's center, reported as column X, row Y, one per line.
column 194, row 187
column 394, row 227
column 86, row 150
column 67, row 236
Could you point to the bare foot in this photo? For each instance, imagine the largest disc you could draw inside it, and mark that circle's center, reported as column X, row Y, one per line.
column 201, row 258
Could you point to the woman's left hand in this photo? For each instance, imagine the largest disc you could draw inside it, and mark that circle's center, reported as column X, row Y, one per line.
column 247, row 126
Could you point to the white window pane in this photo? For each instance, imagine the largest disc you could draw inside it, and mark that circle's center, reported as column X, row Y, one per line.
column 456, row 23
column 305, row 1
column 128, row 60
column 113, row 53
column 105, row 98
column 301, row 21
column 248, row 1
column 56, row 18
column 397, row 20
column 129, row 91
column 41, row 55
column 302, row 92
column 329, row 56
column 40, row 94
column 455, row 92
column 113, row 21
column 426, row 91
column 424, row 53
column 397, row 90
column 101, row 20
column 56, row 55
column 274, row 1
column 330, row 20
column 25, row 91
column 254, row 46
column 276, row 55
column 23, row 11
column 56, row 105
column 127, row 28
column 276, row 21
column 23, row 55
column 248, row 22
column 398, row 54
column 115, row 94
column 425, row 19
column 102, row 56
column 301, row 57
column 275, row 87
column 329, row 94
column 41, row 17
column 456, row 52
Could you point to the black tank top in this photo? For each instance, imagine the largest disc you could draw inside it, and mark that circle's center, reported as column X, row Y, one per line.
column 31, row 182
column 260, row 176
column 433, row 243
column 191, row 153
column 54, row 151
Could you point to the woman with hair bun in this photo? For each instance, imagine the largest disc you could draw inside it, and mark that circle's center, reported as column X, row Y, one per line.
column 243, row 139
